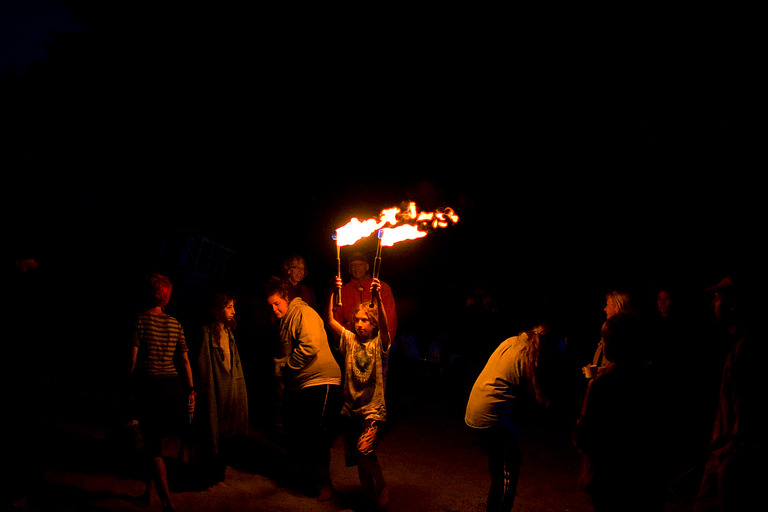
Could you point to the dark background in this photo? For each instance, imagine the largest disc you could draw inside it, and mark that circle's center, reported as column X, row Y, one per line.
column 584, row 149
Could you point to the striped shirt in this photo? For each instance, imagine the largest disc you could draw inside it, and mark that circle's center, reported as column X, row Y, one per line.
column 158, row 337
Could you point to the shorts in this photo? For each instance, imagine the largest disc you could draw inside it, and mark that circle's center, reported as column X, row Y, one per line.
column 162, row 410
column 361, row 436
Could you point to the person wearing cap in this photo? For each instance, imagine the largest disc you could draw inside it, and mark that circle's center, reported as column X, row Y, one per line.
column 358, row 291
column 735, row 471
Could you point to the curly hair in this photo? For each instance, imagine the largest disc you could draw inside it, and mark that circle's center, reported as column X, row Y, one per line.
column 290, row 261
column 159, row 289
column 275, row 285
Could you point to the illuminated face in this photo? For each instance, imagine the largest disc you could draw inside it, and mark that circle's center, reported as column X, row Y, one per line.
column 358, row 269
column 279, row 305
column 363, row 326
column 663, row 302
column 229, row 311
column 611, row 308
column 296, row 272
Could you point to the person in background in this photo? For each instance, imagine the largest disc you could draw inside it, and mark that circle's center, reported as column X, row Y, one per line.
column 365, row 352
column 165, row 398
column 358, row 291
column 312, row 396
column 664, row 303
column 671, row 341
column 735, row 471
column 623, row 431
column 222, row 394
column 294, row 272
column 513, row 379
column 615, row 302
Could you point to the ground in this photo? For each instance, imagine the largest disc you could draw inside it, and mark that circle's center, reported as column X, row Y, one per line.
column 428, row 457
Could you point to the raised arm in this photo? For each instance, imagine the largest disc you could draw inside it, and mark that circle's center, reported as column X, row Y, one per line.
column 333, row 324
column 383, row 327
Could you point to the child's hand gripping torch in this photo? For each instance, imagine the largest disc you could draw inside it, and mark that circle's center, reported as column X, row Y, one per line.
column 377, row 261
column 338, row 263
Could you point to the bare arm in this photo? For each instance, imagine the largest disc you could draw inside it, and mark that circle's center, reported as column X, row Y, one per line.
column 188, row 373
column 335, row 327
column 134, row 355
column 383, row 327
column 187, row 368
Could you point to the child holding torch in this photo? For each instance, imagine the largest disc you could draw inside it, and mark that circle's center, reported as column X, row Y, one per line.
column 365, row 354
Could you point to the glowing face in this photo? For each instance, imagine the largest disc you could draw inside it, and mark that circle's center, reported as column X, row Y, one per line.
column 363, row 326
column 279, row 305
column 358, row 269
column 611, row 308
column 296, row 272
column 229, row 311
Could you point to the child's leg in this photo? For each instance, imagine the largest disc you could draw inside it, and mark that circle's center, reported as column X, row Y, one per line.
column 372, row 480
column 369, row 470
column 370, row 474
column 161, row 483
column 366, row 478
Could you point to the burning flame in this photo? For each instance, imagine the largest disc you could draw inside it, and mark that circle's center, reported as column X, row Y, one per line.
column 396, row 225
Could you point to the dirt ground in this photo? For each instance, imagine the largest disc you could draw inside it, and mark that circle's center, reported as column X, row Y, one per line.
column 427, row 455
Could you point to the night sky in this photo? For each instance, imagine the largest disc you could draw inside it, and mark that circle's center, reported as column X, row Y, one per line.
column 582, row 148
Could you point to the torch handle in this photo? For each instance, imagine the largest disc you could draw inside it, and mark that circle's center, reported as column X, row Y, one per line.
column 376, row 269
column 377, row 262
column 338, row 263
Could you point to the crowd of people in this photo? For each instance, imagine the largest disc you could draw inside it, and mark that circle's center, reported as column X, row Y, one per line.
column 653, row 426
column 670, row 404
column 319, row 397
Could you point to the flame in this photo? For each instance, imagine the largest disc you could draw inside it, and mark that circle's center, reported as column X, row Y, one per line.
column 396, row 225
column 355, row 230
column 390, row 236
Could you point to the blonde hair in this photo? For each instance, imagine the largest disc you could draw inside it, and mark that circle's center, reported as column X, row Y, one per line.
column 530, row 356
column 620, row 299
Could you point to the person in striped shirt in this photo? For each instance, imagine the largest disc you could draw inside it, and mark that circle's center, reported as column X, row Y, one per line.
column 164, row 396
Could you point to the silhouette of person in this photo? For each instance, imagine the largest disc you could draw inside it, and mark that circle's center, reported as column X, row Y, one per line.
column 365, row 352
column 735, row 471
column 670, row 345
column 622, row 426
column 294, row 272
column 25, row 404
column 162, row 395
column 358, row 291
column 222, row 402
column 312, row 394
column 511, row 379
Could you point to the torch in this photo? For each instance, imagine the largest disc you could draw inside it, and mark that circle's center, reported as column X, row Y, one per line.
column 338, row 263
column 393, row 225
column 377, row 260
